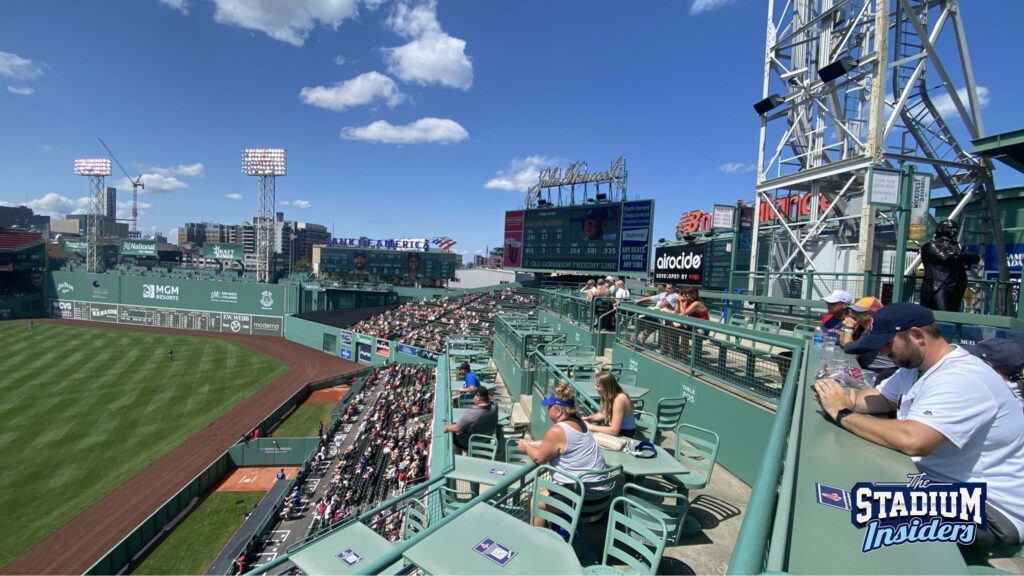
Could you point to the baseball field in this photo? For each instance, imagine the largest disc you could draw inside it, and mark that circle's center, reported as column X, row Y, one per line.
column 83, row 409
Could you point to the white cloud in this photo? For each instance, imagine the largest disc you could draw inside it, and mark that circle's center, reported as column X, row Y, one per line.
column 124, row 209
column 436, row 130
column 289, row 21
column 21, row 90
column 14, row 66
column 339, row 60
column 179, row 5
column 296, row 203
column 154, row 182
column 373, row 4
column 522, row 174
column 944, row 103
column 196, row 170
column 233, row 196
column 699, row 6
column 55, row 205
column 735, row 167
column 432, row 56
column 358, row 91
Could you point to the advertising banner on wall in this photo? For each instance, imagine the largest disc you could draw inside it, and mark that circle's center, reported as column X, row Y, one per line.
column 679, row 264
column 346, row 354
column 75, row 245
column 635, row 247
column 513, row 239
column 223, row 251
column 383, row 348
column 138, row 248
column 405, row 349
column 346, row 338
column 365, row 355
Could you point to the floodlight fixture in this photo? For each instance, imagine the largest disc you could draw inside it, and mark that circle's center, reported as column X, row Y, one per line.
column 837, row 69
column 768, row 104
column 92, row 166
column 264, row 162
column 601, row 197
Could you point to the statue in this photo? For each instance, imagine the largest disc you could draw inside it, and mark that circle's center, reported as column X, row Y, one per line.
column 945, row 269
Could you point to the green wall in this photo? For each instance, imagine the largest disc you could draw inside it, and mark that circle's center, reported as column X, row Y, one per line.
column 273, row 451
column 311, row 334
column 218, row 306
column 516, row 379
column 742, row 426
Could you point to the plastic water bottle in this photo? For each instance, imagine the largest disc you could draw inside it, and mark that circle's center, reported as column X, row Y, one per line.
column 819, row 336
column 828, row 352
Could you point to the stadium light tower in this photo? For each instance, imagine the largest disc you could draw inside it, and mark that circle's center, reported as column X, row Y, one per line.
column 266, row 164
column 95, row 169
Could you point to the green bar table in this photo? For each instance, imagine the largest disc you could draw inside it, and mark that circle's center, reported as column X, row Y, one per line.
column 484, row 540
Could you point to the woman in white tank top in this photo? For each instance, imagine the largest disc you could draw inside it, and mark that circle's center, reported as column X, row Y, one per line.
column 568, row 444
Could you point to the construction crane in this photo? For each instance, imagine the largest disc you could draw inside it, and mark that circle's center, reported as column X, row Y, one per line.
column 136, row 184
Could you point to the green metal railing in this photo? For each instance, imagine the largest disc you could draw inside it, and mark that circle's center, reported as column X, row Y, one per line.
column 755, row 357
column 572, row 305
column 752, row 543
column 521, row 336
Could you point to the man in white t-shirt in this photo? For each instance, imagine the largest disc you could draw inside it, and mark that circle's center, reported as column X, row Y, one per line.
column 956, row 418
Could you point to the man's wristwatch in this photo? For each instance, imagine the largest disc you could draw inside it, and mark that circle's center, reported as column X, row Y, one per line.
column 842, row 414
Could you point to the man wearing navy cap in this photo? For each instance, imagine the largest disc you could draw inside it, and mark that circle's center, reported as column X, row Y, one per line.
column 1005, row 357
column 956, row 418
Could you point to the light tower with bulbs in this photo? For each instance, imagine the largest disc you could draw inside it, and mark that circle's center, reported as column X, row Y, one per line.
column 266, row 164
column 95, row 169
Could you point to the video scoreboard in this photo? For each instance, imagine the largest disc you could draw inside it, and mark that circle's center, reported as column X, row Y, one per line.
column 388, row 264
column 607, row 237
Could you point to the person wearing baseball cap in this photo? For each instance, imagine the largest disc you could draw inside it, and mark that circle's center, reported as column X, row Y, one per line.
column 955, row 417
column 838, row 304
column 1005, row 357
column 857, row 324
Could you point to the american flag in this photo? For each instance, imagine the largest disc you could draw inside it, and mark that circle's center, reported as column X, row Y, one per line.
column 444, row 242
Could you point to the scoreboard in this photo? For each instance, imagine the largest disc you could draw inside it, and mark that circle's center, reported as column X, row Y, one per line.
column 168, row 317
column 608, row 237
column 388, row 264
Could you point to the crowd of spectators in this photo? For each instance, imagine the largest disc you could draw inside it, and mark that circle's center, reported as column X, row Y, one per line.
column 392, row 442
column 426, row 323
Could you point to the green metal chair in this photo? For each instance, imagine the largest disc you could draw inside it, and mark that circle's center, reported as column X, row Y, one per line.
column 670, row 507
column 483, row 446
column 600, row 488
column 464, row 401
column 668, row 414
column 635, row 538
column 416, row 518
column 768, row 325
column 513, row 453
column 452, row 499
column 697, row 450
column 557, row 504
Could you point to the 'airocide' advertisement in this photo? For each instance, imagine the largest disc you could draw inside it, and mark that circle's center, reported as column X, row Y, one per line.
column 679, row 264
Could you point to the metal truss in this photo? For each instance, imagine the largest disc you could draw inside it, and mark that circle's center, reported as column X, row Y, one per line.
column 94, row 258
column 265, row 229
column 853, row 84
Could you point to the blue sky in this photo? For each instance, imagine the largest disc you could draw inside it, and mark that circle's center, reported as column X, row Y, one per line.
column 398, row 115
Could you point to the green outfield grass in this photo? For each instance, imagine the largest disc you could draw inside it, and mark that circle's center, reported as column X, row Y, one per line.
column 83, row 409
column 305, row 421
column 195, row 543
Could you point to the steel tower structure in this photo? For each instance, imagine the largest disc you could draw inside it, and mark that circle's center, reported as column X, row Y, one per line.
column 266, row 164
column 95, row 169
column 851, row 85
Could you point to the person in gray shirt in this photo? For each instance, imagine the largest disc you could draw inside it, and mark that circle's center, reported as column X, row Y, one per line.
column 482, row 418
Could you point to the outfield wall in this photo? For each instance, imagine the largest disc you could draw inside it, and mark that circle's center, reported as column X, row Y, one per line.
column 354, row 346
column 214, row 306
